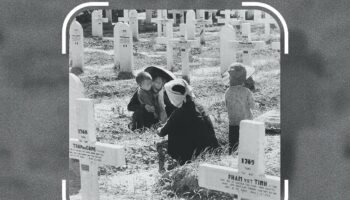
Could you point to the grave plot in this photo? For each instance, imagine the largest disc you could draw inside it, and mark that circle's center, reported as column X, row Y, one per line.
column 139, row 178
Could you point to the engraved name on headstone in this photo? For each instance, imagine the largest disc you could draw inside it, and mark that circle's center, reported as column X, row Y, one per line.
column 89, row 152
column 249, row 181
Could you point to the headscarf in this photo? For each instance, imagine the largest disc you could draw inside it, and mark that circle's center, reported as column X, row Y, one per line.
column 175, row 97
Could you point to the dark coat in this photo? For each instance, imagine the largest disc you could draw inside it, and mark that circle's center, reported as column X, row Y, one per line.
column 190, row 131
column 141, row 117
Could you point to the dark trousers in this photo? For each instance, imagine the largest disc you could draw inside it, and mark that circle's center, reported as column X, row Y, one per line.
column 141, row 118
column 233, row 137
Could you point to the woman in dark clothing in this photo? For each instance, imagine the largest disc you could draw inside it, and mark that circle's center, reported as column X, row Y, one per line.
column 141, row 114
column 189, row 129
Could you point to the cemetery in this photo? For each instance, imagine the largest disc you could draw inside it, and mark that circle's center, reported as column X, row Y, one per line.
column 108, row 48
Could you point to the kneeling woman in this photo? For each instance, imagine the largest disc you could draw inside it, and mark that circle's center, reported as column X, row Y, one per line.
column 189, row 129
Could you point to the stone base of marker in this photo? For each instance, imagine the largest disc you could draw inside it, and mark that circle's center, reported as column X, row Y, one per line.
column 122, row 75
column 135, row 39
column 125, row 75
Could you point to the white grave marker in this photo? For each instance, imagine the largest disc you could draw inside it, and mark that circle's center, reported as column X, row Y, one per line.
column 180, row 12
column 134, row 24
column 76, row 90
column 227, row 34
column 249, row 181
column 202, row 22
column 276, row 46
column 267, row 22
column 90, row 153
column 123, row 48
column 76, row 45
column 125, row 17
column 148, row 16
column 182, row 30
column 190, row 25
column 266, row 19
column 109, row 15
column 246, row 31
column 97, row 23
column 246, row 47
column 227, row 17
column 258, row 15
column 185, row 47
column 163, row 27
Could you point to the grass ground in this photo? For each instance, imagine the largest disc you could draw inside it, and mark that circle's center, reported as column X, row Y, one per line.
column 140, row 179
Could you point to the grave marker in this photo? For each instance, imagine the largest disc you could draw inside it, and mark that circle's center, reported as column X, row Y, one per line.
column 179, row 12
column 182, row 30
column 97, row 23
column 276, row 46
column 76, row 90
column 185, row 46
column 227, row 33
column 258, row 15
column 134, row 24
column 90, row 153
column 164, row 33
column 230, row 46
column 249, row 181
column 123, row 48
column 76, row 45
column 227, row 19
column 190, row 25
column 247, row 45
column 109, row 15
column 268, row 21
column 201, row 22
column 209, row 13
column 125, row 17
column 148, row 16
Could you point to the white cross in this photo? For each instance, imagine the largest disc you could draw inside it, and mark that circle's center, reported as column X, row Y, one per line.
column 97, row 23
column 161, row 21
column 228, row 20
column 202, row 22
column 180, row 12
column 89, row 152
column 125, row 17
column 247, row 45
column 249, row 181
column 185, row 46
column 266, row 19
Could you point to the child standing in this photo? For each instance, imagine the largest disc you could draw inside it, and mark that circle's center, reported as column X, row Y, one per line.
column 239, row 101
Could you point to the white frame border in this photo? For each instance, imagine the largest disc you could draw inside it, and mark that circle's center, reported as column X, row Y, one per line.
column 279, row 16
column 70, row 14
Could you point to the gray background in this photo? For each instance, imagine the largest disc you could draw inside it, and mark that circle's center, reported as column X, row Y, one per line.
column 315, row 96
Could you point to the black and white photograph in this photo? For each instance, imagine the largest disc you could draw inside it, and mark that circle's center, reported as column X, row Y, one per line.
column 174, row 100
column 174, row 104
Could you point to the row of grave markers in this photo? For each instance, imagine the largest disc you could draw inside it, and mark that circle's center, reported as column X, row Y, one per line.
column 131, row 17
column 123, row 42
column 242, row 16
